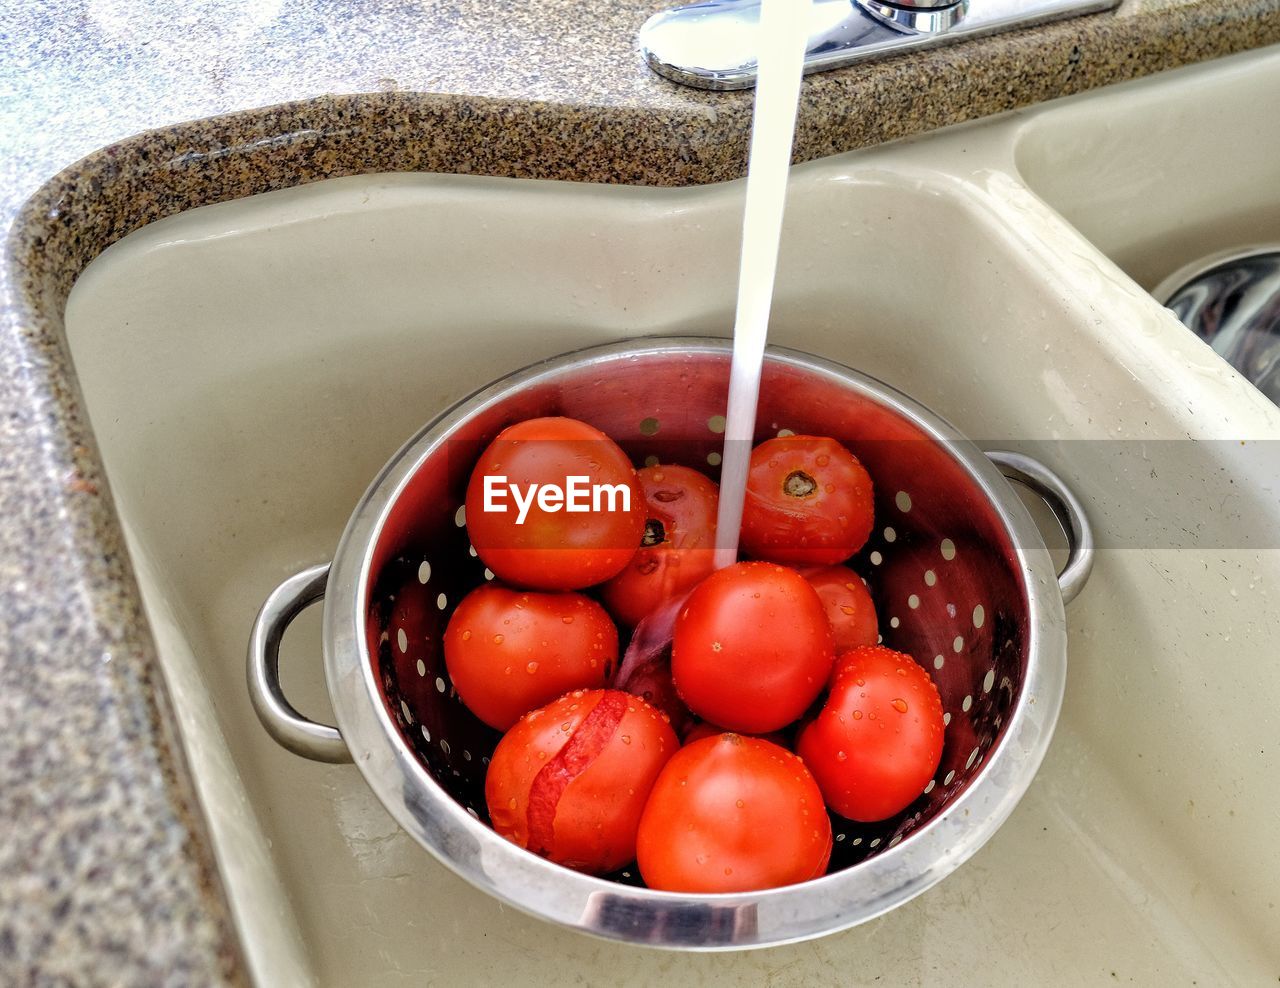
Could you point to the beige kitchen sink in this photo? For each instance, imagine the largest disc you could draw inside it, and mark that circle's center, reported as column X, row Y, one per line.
column 249, row 366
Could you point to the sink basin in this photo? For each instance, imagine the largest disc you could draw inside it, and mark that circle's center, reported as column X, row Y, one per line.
column 249, row 366
column 1160, row 174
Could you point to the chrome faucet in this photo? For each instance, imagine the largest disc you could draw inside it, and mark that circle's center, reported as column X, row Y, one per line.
column 711, row 45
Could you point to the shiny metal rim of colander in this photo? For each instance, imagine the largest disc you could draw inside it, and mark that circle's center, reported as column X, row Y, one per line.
column 675, row 920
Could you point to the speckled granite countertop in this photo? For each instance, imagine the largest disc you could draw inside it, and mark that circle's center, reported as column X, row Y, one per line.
column 105, row 876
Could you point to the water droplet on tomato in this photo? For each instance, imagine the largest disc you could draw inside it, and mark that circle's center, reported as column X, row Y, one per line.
column 900, row 706
column 857, row 715
column 567, row 619
column 740, row 804
column 531, row 668
column 498, row 639
column 626, row 739
column 841, row 756
column 466, row 636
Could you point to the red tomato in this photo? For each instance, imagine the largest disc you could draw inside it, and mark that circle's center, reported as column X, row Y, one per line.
column 678, row 544
column 878, row 739
column 570, row 780
column 849, row 607
column 550, row 543
column 733, row 814
column 809, row 502
column 752, row 647
column 509, row 651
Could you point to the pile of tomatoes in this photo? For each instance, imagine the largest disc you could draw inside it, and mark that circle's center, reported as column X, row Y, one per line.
column 713, row 768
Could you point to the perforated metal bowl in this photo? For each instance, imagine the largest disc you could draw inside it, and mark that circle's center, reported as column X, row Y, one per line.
column 960, row 575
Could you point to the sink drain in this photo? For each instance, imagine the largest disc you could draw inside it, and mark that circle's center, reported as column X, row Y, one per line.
column 1233, row 303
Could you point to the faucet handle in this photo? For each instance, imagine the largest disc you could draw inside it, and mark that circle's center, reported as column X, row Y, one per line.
column 917, row 16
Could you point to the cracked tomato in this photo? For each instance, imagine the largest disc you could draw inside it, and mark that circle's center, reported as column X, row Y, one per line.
column 570, row 780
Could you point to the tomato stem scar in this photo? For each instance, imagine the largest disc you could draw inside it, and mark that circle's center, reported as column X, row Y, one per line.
column 654, row 533
column 799, row 484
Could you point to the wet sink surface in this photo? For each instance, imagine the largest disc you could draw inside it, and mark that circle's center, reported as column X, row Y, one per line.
column 248, row 367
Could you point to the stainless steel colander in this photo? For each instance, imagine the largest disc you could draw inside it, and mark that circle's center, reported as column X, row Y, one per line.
column 959, row 572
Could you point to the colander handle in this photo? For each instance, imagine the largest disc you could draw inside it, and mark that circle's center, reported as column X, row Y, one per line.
column 293, row 731
column 1065, row 506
